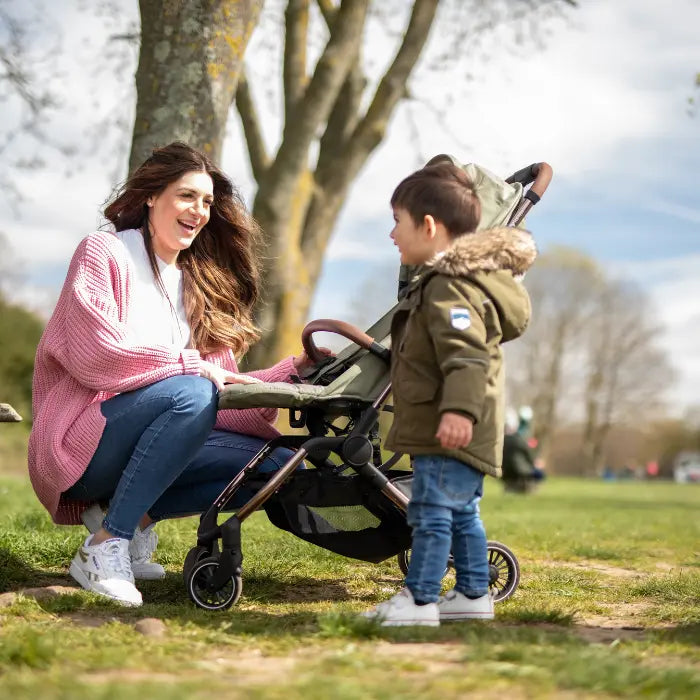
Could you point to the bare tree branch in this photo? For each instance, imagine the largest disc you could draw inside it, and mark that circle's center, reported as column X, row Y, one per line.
column 345, row 113
column 328, row 10
column 257, row 152
column 348, row 154
column 294, row 65
column 392, row 87
column 343, row 119
column 325, row 84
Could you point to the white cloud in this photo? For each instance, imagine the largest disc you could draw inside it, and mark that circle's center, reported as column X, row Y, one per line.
column 678, row 211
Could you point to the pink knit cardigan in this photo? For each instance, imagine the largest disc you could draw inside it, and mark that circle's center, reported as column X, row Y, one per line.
column 84, row 358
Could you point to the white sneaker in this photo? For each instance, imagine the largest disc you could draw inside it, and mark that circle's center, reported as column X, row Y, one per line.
column 456, row 606
column 141, row 549
column 401, row 610
column 105, row 569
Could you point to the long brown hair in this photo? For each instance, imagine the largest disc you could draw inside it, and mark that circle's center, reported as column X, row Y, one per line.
column 220, row 270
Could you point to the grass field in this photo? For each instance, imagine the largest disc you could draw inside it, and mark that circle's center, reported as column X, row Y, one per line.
column 609, row 606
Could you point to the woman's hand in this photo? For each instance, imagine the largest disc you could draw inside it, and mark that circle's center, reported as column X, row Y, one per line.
column 220, row 376
column 455, row 431
column 303, row 361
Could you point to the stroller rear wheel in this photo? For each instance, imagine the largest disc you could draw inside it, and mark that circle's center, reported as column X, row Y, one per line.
column 200, row 589
column 504, row 570
column 404, row 558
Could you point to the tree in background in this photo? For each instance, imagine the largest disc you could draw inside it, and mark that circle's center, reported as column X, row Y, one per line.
column 27, row 96
column 335, row 115
column 335, row 109
column 692, row 100
column 625, row 372
column 543, row 365
column 20, row 331
column 591, row 355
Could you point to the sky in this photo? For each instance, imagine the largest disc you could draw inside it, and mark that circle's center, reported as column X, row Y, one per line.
column 601, row 96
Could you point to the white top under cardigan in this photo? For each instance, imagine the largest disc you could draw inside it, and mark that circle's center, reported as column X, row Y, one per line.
column 152, row 318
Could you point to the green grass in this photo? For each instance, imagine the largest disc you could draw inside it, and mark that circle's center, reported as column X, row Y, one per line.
column 608, row 606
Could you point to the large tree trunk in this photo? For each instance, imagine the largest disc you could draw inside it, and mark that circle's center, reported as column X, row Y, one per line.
column 297, row 207
column 190, row 59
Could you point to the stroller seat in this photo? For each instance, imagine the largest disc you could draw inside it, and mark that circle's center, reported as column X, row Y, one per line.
column 282, row 395
column 357, row 375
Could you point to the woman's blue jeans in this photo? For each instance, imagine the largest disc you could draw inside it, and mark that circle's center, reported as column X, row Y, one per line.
column 444, row 515
column 160, row 455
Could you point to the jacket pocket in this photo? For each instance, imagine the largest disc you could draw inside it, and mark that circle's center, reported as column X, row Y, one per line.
column 417, row 391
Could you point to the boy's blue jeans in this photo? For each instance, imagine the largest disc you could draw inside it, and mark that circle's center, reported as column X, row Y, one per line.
column 444, row 515
column 160, row 455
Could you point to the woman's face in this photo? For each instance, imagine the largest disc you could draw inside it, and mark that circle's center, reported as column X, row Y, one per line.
column 179, row 213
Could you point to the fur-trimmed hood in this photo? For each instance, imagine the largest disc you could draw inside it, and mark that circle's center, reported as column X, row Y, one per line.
column 489, row 250
column 494, row 260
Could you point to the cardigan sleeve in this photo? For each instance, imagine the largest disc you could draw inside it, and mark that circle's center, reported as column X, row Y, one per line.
column 251, row 421
column 96, row 349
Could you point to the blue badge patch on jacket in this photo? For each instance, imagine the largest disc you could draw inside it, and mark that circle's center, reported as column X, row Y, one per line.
column 460, row 318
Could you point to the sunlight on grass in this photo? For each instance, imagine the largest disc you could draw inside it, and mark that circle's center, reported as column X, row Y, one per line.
column 585, row 549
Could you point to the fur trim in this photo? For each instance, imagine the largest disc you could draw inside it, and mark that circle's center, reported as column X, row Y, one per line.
column 503, row 248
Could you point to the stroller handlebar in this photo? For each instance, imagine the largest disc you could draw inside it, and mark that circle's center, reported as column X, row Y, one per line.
column 539, row 174
column 347, row 330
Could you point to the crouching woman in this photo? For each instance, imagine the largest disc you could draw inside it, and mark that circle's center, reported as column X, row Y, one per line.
column 127, row 373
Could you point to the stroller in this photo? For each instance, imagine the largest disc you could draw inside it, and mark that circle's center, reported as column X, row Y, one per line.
column 352, row 498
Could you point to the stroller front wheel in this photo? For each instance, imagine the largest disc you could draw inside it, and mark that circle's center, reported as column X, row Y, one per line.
column 199, row 586
column 194, row 556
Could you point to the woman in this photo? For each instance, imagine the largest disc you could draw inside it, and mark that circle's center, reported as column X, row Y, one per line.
column 130, row 364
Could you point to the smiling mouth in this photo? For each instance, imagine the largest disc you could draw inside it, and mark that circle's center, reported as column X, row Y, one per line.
column 191, row 228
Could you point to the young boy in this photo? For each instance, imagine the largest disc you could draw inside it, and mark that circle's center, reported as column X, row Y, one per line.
column 447, row 378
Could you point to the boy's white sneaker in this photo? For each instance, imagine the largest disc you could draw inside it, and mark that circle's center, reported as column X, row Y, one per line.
column 105, row 568
column 141, row 549
column 456, row 606
column 401, row 610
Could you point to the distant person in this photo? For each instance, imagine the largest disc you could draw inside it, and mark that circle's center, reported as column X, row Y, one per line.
column 447, row 379
column 128, row 370
column 520, row 470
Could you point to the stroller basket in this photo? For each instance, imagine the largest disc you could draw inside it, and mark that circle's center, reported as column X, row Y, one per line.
column 341, row 513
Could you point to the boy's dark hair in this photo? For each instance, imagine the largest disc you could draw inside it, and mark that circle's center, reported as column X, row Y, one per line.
column 443, row 191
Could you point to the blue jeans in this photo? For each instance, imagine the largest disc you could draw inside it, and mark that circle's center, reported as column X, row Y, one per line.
column 160, row 455
column 444, row 515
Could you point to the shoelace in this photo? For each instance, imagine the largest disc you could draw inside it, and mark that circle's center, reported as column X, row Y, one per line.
column 117, row 559
column 143, row 545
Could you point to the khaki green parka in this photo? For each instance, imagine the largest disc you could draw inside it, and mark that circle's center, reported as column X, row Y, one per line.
column 446, row 339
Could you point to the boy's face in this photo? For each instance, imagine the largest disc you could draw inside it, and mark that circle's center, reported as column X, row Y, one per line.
column 414, row 242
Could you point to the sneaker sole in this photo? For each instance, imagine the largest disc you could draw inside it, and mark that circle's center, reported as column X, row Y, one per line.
column 445, row 617
column 76, row 572
column 411, row 623
column 147, row 576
